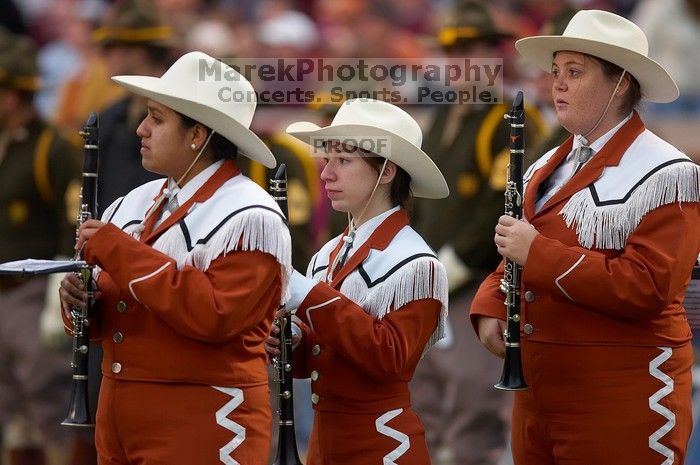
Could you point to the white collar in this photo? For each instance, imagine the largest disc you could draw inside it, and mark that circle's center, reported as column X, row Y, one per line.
column 188, row 190
column 366, row 229
column 602, row 140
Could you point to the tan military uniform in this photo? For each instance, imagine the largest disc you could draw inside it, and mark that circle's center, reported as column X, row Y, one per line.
column 38, row 204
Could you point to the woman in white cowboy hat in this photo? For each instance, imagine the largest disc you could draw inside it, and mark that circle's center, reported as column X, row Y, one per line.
column 608, row 245
column 192, row 270
column 376, row 297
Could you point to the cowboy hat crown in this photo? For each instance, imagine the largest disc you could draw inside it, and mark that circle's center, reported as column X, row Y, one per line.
column 387, row 131
column 610, row 37
column 211, row 93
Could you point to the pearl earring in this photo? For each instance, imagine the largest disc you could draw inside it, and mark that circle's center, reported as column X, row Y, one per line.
column 194, row 147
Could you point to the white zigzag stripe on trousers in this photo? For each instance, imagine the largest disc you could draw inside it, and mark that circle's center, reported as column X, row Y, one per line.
column 405, row 442
column 223, row 420
column 654, row 443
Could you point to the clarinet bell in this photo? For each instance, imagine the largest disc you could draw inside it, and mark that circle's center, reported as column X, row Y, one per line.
column 512, row 378
column 78, row 408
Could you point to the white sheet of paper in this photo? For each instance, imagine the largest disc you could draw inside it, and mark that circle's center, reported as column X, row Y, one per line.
column 34, row 266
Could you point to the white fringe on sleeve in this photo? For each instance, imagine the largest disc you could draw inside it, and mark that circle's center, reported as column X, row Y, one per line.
column 423, row 278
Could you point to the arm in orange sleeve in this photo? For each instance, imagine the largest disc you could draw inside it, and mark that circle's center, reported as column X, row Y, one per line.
column 488, row 300
column 299, row 356
column 237, row 291
column 381, row 348
column 651, row 272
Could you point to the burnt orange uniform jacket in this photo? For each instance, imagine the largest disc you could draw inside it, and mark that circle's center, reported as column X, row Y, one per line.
column 197, row 315
column 364, row 334
column 604, row 304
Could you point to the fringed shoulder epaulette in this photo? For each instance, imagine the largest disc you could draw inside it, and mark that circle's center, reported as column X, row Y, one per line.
column 652, row 173
column 388, row 279
column 239, row 216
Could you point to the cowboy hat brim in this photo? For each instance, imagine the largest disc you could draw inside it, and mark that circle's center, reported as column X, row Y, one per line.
column 655, row 82
column 157, row 90
column 426, row 179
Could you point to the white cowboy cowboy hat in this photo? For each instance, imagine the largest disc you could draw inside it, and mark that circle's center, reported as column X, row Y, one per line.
column 385, row 130
column 210, row 92
column 608, row 36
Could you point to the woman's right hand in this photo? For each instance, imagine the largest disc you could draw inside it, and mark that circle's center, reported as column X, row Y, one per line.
column 272, row 343
column 72, row 292
column 491, row 335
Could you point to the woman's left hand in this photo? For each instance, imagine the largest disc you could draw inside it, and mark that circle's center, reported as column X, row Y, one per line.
column 86, row 231
column 514, row 238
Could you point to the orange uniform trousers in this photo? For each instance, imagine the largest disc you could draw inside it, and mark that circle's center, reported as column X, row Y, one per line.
column 353, row 439
column 181, row 424
column 603, row 405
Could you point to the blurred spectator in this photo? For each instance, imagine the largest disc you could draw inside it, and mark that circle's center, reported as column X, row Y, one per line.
column 39, row 172
column 89, row 88
column 74, row 78
column 673, row 29
column 180, row 15
column 675, row 48
column 135, row 41
column 290, row 32
column 212, row 36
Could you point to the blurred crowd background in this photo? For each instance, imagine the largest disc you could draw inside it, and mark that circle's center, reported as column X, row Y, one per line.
column 81, row 43
column 74, row 68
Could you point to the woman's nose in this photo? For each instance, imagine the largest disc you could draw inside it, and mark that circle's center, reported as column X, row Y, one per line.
column 558, row 84
column 327, row 172
column 141, row 130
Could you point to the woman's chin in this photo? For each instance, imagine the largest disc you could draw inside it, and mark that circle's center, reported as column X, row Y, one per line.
column 339, row 206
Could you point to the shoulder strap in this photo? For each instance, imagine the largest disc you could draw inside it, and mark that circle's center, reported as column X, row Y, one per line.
column 41, row 165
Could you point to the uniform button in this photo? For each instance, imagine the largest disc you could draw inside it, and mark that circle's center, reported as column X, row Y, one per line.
column 315, row 398
column 116, row 367
column 528, row 328
column 121, row 306
column 316, row 349
column 118, row 337
column 529, row 296
column 314, row 375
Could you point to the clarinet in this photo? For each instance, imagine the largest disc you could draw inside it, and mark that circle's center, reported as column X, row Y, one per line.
column 287, row 453
column 512, row 376
column 79, row 409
